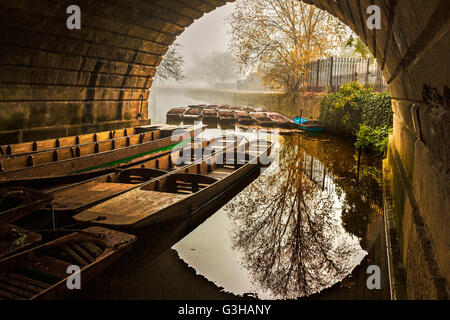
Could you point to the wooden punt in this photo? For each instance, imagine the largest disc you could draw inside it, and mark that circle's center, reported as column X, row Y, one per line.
column 17, row 202
column 226, row 116
column 261, row 119
column 192, row 114
column 281, row 121
column 78, row 197
column 248, row 108
column 209, row 115
column 23, row 160
column 243, row 117
column 52, row 183
column 42, row 272
column 197, row 106
column 177, row 194
column 40, row 145
column 175, row 114
column 99, row 156
column 13, row 239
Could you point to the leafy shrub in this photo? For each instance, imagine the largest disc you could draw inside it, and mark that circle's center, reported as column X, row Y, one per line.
column 373, row 140
column 377, row 110
column 357, row 111
column 342, row 111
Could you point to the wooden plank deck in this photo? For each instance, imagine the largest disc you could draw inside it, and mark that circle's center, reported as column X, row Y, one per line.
column 87, row 193
column 130, row 207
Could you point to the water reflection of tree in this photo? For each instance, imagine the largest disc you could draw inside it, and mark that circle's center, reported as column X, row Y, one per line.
column 342, row 157
column 288, row 230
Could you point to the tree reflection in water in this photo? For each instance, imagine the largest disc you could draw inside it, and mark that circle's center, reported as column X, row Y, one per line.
column 290, row 230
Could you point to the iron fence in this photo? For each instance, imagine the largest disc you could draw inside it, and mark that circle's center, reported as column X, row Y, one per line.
column 329, row 74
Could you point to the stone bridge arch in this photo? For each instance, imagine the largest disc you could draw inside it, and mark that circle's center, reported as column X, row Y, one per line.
column 72, row 80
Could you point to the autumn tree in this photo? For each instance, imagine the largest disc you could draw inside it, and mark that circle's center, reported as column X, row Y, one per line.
column 359, row 48
column 278, row 38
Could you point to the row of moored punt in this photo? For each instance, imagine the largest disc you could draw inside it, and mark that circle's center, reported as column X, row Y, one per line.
column 225, row 114
column 113, row 194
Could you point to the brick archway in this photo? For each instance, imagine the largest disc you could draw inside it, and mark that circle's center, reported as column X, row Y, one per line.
column 53, row 76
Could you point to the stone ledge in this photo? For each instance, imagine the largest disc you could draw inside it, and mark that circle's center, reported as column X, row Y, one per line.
column 397, row 275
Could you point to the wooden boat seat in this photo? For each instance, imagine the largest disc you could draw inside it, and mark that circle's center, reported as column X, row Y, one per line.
column 12, row 282
column 186, row 183
column 138, row 175
column 221, row 172
column 79, row 253
column 45, row 268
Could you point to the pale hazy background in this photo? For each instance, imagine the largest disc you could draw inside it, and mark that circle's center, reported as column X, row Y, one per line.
column 206, row 35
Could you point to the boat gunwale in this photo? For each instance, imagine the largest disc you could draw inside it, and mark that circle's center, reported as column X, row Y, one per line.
column 55, row 139
column 12, row 156
column 190, row 129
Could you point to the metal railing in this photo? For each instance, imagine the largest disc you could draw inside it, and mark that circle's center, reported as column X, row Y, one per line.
column 330, row 74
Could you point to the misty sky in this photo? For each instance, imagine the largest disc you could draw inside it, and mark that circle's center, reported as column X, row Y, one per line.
column 206, row 35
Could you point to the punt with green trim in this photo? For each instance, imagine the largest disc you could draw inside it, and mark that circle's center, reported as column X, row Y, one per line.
column 97, row 156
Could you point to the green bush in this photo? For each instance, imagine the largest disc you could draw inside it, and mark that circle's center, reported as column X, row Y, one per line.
column 373, row 140
column 357, row 111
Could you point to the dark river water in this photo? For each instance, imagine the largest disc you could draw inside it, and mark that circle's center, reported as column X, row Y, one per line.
column 300, row 226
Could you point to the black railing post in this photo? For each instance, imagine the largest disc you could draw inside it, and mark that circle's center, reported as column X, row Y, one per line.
column 368, row 70
column 318, row 74
column 331, row 74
